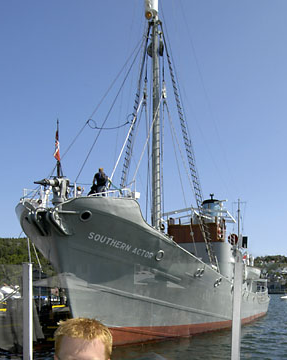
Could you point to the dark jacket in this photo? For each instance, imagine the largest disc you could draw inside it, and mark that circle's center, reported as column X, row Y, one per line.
column 101, row 178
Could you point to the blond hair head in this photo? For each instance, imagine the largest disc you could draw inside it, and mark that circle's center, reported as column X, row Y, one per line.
column 86, row 329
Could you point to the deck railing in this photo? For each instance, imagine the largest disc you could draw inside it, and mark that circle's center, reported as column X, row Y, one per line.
column 43, row 196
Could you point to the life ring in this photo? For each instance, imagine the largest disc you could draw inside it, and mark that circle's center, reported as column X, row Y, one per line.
column 220, row 232
column 233, row 239
column 221, row 229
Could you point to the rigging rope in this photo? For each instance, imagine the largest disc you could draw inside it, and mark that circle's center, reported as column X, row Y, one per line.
column 135, row 50
column 107, row 116
column 181, row 155
column 102, row 128
column 127, row 137
column 212, row 115
column 129, row 145
column 191, row 162
column 146, row 142
column 163, row 97
column 36, row 254
column 148, row 187
column 174, row 136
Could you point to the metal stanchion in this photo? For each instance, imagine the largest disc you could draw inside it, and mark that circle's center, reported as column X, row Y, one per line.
column 236, row 314
column 27, row 312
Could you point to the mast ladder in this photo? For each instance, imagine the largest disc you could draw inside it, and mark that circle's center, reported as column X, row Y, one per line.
column 192, row 166
column 130, row 141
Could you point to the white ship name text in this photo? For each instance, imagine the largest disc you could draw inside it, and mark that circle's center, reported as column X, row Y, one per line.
column 119, row 245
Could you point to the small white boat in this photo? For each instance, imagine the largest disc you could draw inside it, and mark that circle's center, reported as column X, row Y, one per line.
column 284, row 297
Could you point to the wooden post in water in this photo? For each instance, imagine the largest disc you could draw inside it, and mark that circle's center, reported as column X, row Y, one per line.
column 27, row 312
column 236, row 313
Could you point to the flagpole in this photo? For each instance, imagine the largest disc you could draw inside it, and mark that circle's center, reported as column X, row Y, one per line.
column 57, row 151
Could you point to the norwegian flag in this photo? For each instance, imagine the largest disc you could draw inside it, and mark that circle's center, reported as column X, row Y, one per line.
column 57, row 146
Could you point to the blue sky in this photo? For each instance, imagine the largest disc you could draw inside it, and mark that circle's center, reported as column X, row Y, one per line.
column 59, row 57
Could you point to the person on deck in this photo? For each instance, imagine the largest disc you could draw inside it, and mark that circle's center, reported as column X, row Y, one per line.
column 82, row 338
column 101, row 186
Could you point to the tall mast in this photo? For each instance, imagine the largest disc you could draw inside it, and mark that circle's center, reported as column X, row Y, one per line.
column 151, row 11
column 238, row 223
column 238, row 217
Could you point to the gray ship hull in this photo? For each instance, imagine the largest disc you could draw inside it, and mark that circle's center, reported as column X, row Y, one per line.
column 135, row 279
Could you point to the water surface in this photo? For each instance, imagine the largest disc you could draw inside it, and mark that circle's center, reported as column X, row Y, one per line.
column 263, row 339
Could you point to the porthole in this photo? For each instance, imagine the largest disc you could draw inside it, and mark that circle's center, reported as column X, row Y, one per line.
column 159, row 255
column 85, row 215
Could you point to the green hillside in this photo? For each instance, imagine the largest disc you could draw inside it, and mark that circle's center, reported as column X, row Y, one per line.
column 14, row 252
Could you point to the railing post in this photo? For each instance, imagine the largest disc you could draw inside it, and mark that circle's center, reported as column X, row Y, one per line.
column 236, row 313
column 27, row 312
